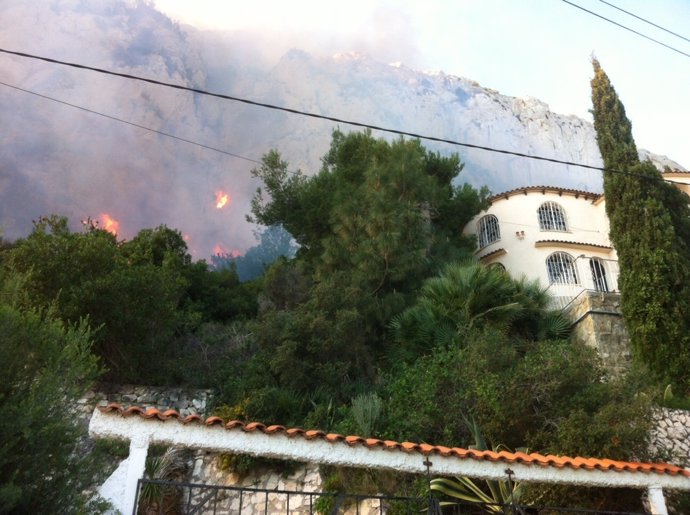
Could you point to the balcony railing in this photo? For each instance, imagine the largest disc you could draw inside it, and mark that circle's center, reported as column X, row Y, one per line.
column 592, row 275
column 168, row 498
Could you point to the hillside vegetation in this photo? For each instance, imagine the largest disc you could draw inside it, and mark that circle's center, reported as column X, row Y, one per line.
column 381, row 325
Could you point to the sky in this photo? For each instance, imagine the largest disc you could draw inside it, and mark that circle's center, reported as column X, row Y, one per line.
column 535, row 48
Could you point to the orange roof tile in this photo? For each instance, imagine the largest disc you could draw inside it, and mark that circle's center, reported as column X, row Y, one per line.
column 408, row 447
column 587, row 195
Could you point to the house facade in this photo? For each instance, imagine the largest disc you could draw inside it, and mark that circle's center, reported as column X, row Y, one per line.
column 558, row 236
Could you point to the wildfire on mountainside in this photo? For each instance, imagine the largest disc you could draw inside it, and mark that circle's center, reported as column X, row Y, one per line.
column 108, row 223
column 220, row 250
column 222, row 199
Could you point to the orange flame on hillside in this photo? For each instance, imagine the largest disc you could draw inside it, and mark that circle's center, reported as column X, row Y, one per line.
column 220, row 250
column 222, row 199
column 109, row 223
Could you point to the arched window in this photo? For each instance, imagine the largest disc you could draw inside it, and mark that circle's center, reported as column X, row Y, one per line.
column 561, row 269
column 551, row 217
column 488, row 230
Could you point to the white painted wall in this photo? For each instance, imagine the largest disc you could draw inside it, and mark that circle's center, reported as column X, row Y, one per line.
column 519, row 250
column 681, row 180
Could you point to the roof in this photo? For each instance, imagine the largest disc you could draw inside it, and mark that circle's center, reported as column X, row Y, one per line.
column 493, row 253
column 587, row 195
column 533, row 459
column 571, row 243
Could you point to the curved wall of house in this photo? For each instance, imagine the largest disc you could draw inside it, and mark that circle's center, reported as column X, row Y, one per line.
column 549, row 234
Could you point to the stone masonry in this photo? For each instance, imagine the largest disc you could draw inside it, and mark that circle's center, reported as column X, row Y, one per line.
column 598, row 323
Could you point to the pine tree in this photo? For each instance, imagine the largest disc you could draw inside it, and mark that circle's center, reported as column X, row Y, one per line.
column 650, row 228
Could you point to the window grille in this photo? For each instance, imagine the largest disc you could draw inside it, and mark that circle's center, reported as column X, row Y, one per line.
column 489, row 231
column 551, row 217
column 598, row 274
column 498, row 266
column 561, row 269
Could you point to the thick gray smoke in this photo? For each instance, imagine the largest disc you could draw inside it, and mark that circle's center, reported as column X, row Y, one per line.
column 59, row 159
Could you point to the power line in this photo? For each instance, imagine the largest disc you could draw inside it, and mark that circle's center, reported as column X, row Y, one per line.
column 645, row 20
column 626, row 28
column 308, row 114
column 133, row 124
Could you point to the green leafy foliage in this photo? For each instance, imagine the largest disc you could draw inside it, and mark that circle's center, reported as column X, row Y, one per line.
column 366, row 410
column 47, row 365
column 546, row 395
column 140, row 295
column 274, row 243
column 466, row 296
column 372, row 225
column 170, row 465
column 650, row 228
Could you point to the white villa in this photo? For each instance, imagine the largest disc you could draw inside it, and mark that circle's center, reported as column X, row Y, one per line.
column 557, row 235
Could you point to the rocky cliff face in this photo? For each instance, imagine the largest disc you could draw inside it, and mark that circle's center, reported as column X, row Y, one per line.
column 55, row 158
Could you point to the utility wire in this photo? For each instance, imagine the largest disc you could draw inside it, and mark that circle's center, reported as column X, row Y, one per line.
column 133, row 124
column 645, row 20
column 312, row 115
column 626, row 28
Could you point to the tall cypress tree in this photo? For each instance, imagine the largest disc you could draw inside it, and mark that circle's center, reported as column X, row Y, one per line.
column 650, row 228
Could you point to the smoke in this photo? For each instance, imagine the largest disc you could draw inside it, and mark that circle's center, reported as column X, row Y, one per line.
column 55, row 158
column 58, row 159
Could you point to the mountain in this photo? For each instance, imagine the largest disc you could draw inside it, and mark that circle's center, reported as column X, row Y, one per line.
column 58, row 158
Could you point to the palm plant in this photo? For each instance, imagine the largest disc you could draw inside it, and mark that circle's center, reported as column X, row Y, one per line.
column 494, row 496
column 468, row 295
column 155, row 497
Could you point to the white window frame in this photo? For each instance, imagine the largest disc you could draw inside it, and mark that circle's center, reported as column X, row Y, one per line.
column 561, row 269
column 488, row 230
column 551, row 216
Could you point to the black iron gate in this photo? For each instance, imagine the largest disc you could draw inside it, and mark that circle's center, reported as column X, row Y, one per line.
column 156, row 497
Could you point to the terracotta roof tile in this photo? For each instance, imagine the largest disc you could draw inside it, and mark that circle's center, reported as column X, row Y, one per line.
column 570, row 242
column 408, row 447
column 587, row 195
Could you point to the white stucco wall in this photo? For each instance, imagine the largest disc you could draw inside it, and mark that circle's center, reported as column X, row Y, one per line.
column 524, row 247
column 681, row 180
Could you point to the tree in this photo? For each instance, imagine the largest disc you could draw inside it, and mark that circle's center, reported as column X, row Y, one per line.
column 130, row 291
column 274, row 243
column 47, row 366
column 377, row 220
column 650, row 228
column 386, row 212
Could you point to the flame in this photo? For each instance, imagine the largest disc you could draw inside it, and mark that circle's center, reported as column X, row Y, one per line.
column 109, row 223
column 219, row 250
column 222, row 199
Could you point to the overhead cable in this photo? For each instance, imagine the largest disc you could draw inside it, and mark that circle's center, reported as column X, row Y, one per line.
column 626, row 28
column 645, row 20
column 121, row 120
column 325, row 117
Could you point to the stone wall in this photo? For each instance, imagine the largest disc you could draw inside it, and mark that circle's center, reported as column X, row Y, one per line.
column 207, row 470
column 272, row 485
column 671, row 435
column 598, row 323
column 185, row 401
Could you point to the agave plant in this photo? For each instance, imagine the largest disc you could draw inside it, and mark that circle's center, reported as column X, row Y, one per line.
column 157, row 498
column 495, row 496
